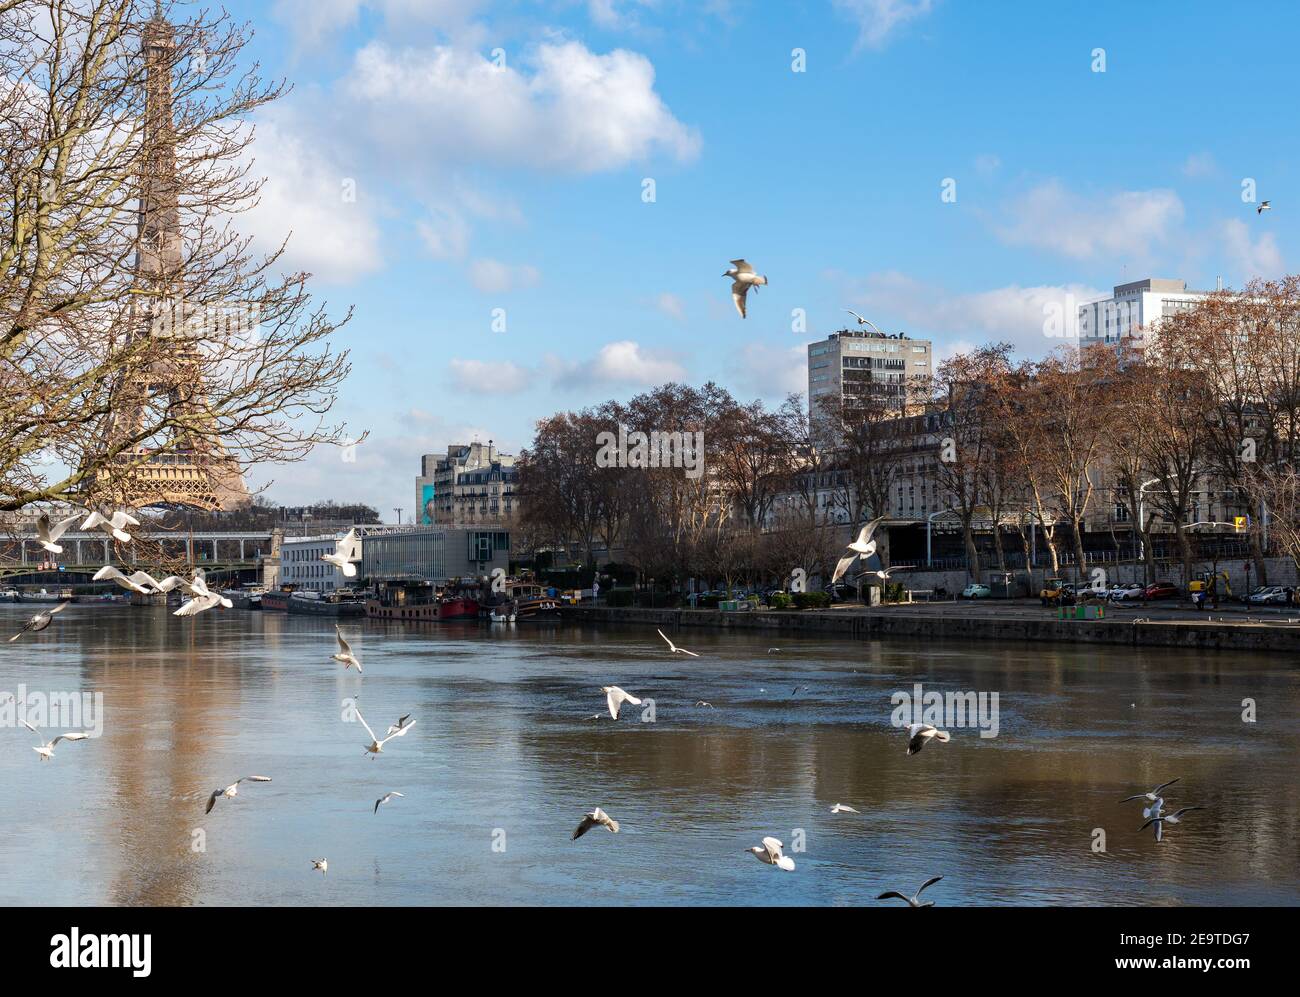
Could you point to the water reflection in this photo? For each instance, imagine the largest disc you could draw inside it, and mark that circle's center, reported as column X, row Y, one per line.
column 503, row 754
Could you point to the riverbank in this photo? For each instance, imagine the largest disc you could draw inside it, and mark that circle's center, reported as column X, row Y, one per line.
column 950, row 621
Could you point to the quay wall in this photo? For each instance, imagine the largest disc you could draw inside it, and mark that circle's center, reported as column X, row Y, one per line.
column 1196, row 634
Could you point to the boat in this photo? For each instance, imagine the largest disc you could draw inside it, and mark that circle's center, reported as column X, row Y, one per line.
column 458, row 608
column 542, row 607
column 314, row 604
column 277, row 602
column 249, row 598
column 502, row 614
column 416, row 612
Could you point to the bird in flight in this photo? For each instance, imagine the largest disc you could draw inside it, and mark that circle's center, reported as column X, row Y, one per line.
column 114, row 525
column 47, row 532
column 322, row 864
column 1173, row 818
column 201, row 597
column 915, row 899
column 742, row 279
column 596, row 817
column 386, row 798
column 231, row 791
column 919, row 734
column 344, row 654
column 841, row 808
column 402, row 722
column 344, row 551
column 40, row 621
column 138, row 581
column 46, row 751
column 770, row 852
column 864, row 545
column 673, row 648
column 1263, row 206
column 376, row 744
column 616, row 697
column 1151, row 796
column 843, row 566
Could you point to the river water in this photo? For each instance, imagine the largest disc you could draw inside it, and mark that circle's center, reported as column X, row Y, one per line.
column 502, row 763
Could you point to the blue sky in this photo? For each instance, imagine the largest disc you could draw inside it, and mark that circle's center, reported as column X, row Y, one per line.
column 519, row 187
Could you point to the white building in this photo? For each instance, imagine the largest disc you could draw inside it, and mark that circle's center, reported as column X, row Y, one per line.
column 1132, row 311
column 853, row 365
column 302, row 567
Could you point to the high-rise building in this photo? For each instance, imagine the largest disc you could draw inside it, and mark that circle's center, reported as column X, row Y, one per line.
column 472, row 484
column 1123, row 320
column 856, row 367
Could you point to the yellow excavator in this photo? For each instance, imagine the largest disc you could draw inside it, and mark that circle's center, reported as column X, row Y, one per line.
column 1204, row 579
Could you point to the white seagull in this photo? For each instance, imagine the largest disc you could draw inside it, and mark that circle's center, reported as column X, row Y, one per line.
column 1172, row 818
column 46, row 751
column 47, row 532
column 918, row 734
column 1154, row 809
column 1263, row 206
column 322, row 864
column 863, row 321
column 915, row 899
column 387, row 797
column 616, row 697
column 1152, row 796
column 590, row 820
column 137, row 581
column 844, row 564
column 114, row 526
column 770, row 852
column 231, row 791
column 673, row 648
column 344, row 551
column 743, row 278
column 201, row 597
column 344, row 654
column 841, row 808
column 864, row 545
column 376, row 744
column 402, row 722
column 40, row 621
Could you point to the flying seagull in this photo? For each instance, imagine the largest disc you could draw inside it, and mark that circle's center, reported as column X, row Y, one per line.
column 386, row 798
column 844, row 564
column 841, row 808
column 1154, row 809
column 47, row 532
column 231, row 791
column 1151, row 796
column 322, row 864
column 915, row 899
column 201, row 597
column 863, row 321
column 702, row 703
column 376, row 744
column 40, row 621
column 138, row 581
column 590, row 820
column 918, row 734
column 864, row 545
column 46, row 751
column 402, row 722
column 114, row 525
column 673, row 648
column 616, row 697
column 1263, row 206
column 344, row 551
column 1160, row 821
column 742, row 279
column 344, row 654
column 770, row 852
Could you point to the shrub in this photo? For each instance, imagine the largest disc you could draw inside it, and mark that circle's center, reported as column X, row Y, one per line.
column 780, row 600
column 893, row 592
column 811, row 600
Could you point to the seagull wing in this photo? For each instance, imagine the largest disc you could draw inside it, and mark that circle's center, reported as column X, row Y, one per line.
column 855, row 315
column 1128, row 799
column 30, row 727
column 588, row 822
column 773, row 848
column 893, row 894
column 212, row 800
column 928, row 882
column 666, row 640
column 93, row 521
column 76, row 735
column 843, row 566
column 146, row 580
column 742, row 266
column 253, row 778
column 343, row 644
column 365, row 725
column 1156, row 791
column 614, row 699
column 738, row 292
column 60, row 607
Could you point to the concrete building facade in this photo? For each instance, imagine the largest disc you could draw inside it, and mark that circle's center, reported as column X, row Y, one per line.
column 852, row 365
column 471, row 485
column 434, row 554
column 301, row 565
column 1133, row 311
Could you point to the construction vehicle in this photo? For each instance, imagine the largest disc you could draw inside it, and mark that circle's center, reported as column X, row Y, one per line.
column 1204, row 580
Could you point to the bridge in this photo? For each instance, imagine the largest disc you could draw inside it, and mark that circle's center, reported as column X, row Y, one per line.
column 23, row 559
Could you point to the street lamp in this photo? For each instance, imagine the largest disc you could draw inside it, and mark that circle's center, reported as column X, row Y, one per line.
column 929, row 522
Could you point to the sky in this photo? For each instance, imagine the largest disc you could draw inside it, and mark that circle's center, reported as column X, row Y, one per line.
column 548, row 191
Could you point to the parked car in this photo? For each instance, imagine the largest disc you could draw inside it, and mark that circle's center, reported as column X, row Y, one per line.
column 1268, row 595
column 976, row 591
column 1161, row 590
column 1126, row 591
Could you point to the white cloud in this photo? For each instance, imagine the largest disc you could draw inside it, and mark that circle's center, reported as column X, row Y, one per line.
column 1128, row 224
column 624, row 363
column 1251, row 257
column 1013, row 314
column 772, row 372
column 671, row 305
column 304, row 198
column 495, row 277
column 489, row 377
column 567, row 109
column 445, row 234
column 878, row 19
column 986, row 164
column 314, row 21
column 1199, row 165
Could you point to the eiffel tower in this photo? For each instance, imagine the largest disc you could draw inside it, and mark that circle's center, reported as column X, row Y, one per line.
column 193, row 470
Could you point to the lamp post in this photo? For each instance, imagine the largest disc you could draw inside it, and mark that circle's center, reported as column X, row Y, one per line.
column 929, row 522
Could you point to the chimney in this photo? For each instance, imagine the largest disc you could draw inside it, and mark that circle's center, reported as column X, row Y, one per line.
column 1218, row 283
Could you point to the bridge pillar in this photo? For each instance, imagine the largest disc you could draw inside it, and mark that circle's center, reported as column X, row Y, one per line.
column 22, row 551
column 214, row 550
column 241, row 548
column 189, row 549
column 107, row 553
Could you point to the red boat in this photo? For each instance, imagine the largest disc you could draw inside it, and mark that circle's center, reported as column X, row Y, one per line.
column 459, row 608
